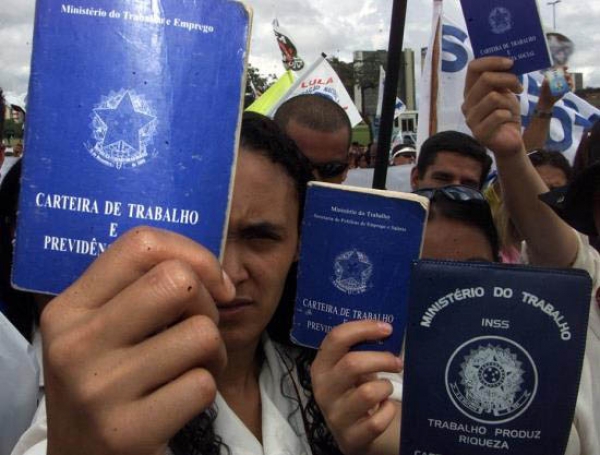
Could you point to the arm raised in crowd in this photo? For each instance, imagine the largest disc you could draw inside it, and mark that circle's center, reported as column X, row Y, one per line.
column 536, row 133
column 492, row 113
column 353, row 400
column 131, row 348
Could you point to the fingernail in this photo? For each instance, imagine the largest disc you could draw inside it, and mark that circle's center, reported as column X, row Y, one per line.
column 385, row 327
column 228, row 283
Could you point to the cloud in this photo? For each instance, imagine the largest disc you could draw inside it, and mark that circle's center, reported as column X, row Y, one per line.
column 335, row 27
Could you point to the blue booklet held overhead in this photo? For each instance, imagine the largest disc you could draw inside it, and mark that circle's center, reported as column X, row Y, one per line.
column 508, row 28
column 493, row 358
column 355, row 254
column 133, row 119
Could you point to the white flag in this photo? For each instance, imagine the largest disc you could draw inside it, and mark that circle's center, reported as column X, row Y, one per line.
column 321, row 79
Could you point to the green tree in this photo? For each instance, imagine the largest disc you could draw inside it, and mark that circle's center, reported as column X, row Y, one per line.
column 13, row 130
column 260, row 82
column 345, row 71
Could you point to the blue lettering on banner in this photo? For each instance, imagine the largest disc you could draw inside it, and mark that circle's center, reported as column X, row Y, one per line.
column 457, row 50
column 560, row 114
column 579, row 119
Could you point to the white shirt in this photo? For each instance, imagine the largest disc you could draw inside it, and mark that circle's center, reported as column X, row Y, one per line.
column 282, row 425
column 584, row 438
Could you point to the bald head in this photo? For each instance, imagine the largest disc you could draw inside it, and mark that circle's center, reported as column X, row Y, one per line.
column 322, row 130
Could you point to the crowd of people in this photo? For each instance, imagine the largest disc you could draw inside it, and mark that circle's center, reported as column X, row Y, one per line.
column 160, row 349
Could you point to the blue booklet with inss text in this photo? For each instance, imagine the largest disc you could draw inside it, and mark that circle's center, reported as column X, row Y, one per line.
column 355, row 254
column 133, row 119
column 508, row 28
column 493, row 358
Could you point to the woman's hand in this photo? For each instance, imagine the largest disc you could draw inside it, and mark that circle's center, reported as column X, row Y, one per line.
column 131, row 348
column 353, row 401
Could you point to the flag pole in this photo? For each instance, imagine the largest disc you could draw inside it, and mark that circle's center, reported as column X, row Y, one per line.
column 389, row 92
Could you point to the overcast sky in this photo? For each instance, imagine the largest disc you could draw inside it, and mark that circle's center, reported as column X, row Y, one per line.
column 336, row 27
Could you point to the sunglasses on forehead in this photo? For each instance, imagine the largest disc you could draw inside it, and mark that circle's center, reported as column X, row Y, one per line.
column 330, row 169
column 454, row 193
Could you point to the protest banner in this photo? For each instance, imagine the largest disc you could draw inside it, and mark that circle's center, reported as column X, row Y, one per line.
column 439, row 108
column 320, row 78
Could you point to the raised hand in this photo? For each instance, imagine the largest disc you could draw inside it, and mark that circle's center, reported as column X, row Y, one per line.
column 131, row 348
column 353, row 401
column 491, row 107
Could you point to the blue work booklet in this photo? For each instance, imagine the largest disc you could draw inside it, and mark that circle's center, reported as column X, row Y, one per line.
column 133, row 119
column 493, row 358
column 508, row 28
column 355, row 254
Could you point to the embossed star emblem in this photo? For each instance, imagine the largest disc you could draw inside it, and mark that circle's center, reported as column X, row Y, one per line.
column 123, row 123
column 353, row 267
column 501, row 17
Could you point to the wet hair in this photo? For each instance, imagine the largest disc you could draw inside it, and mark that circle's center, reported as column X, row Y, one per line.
column 20, row 307
column 476, row 214
column 314, row 111
column 552, row 158
column 261, row 135
column 456, row 142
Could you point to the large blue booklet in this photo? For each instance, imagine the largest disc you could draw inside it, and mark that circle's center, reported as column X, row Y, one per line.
column 508, row 28
column 356, row 250
column 133, row 119
column 493, row 358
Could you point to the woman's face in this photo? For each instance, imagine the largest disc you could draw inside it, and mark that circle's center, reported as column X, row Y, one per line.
column 262, row 243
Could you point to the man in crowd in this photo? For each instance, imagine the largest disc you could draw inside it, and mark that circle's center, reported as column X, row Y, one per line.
column 492, row 112
column 403, row 154
column 322, row 130
column 451, row 158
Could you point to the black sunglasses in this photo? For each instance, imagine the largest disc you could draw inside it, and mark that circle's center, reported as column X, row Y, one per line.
column 456, row 193
column 330, row 169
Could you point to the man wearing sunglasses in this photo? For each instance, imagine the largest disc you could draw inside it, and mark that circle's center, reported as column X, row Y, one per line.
column 322, row 130
column 492, row 112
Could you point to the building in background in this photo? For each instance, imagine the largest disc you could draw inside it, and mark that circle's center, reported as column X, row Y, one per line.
column 577, row 81
column 366, row 77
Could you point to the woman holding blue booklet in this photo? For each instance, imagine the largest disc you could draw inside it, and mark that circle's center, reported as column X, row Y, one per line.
column 160, row 349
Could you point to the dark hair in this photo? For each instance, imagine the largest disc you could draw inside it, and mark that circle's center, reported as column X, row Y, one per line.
column 456, row 142
column 552, row 158
column 19, row 307
column 261, row 135
column 314, row 111
column 476, row 214
column 588, row 151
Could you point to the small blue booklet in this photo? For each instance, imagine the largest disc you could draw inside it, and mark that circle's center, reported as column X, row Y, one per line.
column 133, row 119
column 508, row 28
column 493, row 358
column 356, row 250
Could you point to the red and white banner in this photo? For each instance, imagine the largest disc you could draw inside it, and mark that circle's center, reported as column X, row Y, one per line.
column 321, row 79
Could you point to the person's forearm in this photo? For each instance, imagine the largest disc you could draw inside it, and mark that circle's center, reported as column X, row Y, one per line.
column 536, row 133
column 550, row 240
